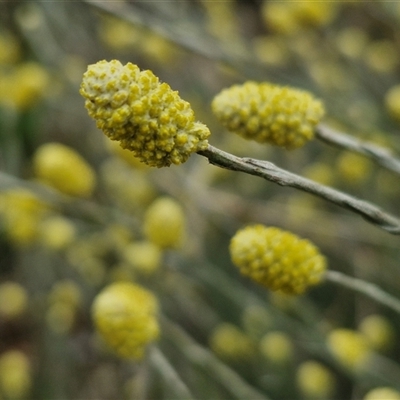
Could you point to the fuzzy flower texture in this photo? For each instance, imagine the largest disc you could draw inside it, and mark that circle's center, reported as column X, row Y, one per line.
column 267, row 113
column 143, row 114
column 125, row 315
column 277, row 259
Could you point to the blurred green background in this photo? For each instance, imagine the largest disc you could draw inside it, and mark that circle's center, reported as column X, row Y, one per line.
column 222, row 336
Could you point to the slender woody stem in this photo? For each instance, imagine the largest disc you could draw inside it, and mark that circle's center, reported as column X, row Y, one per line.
column 203, row 358
column 272, row 173
column 368, row 289
column 378, row 154
column 170, row 376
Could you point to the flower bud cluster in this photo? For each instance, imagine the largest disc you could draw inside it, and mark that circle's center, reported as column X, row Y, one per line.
column 277, row 259
column 269, row 113
column 125, row 316
column 144, row 115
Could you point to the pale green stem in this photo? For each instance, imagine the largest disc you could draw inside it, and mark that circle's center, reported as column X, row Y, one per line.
column 168, row 373
column 203, row 358
column 366, row 288
column 272, row 173
column 378, row 154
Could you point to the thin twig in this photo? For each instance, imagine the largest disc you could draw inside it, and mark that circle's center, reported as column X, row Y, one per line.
column 170, row 376
column 272, row 173
column 368, row 289
column 378, row 154
column 200, row 356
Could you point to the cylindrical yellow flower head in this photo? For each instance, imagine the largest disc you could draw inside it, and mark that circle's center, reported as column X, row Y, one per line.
column 125, row 315
column 269, row 113
column 143, row 114
column 164, row 223
column 277, row 259
column 64, row 169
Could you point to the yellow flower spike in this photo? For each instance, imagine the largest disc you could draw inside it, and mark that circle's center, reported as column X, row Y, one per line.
column 382, row 393
column 144, row 115
column 164, row 223
column 267, row 113
column 64, row 169
column 125, row 315
column 277, row 259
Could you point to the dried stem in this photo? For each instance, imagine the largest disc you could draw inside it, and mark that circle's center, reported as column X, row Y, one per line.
column 272, row 173
column 380, row 155
column 170, row 376
column 200, row 356
column 368, row 289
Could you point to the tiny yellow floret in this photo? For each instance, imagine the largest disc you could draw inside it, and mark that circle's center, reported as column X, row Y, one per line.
column 125, row 315
column 64, row 169
column 268, row 113
column 146, row 116
column 277, row 259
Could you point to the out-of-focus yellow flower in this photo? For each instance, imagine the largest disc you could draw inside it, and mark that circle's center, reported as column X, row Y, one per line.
column 13, row 300
column 392, row 102
column 164, row 223
column 56, row 232
column 382, row 56
column 277, row 259
column 382, row 393
column 144, row 257
column 15, row 375
column 349, row 347
column 125, row 315
column 10, row 50
column 314, row 380
column 230, row 343
column 144, row 115
column 64, row 169
column 276, row 347
column 24, row 86
column 271, row 50
column 378, row 331
column 269, row 113
column 353, row 168
column 291, row 17
column 351, row 41
column 21, row 212
column 319, row 172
